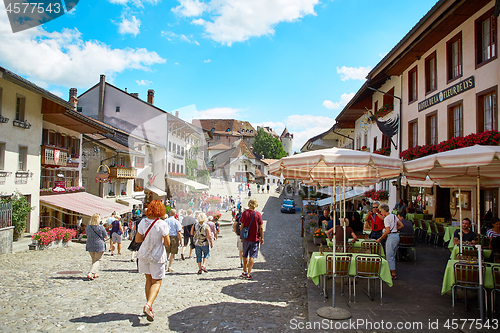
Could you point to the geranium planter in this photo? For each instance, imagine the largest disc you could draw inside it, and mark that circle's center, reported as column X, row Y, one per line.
column 319, row 241
column 53, row 245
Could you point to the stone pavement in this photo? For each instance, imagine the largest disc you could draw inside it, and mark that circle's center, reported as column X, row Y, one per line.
column 47, row 291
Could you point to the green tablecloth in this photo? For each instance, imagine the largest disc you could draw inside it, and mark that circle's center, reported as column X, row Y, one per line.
column 411, row 216
column 448, row 233
column 449, row 276
column 357, row 244
column 456, row 250
column 317, row 267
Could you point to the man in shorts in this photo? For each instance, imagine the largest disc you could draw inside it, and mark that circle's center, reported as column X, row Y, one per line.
column 175, row 237
column 237, row 229
column 255, row 236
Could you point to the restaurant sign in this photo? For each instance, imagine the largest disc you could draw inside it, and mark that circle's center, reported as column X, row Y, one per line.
column 447, row 93
column 59, row 186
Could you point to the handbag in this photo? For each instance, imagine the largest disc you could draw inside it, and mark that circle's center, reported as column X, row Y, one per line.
column 244, row 231
column 135, row 246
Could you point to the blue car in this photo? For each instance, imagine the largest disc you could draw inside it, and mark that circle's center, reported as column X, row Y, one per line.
column 288, row 206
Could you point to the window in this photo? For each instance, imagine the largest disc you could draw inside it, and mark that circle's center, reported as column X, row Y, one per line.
column 174, row 147
column 111, row 189
column 2, row 155
column 365, row 140
column 430, row 73
column 117, row 109
column 139, row 162
column 123, row 188
column 23, row 158
column 455, row 120
column 374, row 143
column 123, row 161
column 486, row 39
column 375, row 107
column 138, row 184
column 386, row 141
column 454, row 57
column 358, row 142
column 431, row 128
column 387, row 99
column 150, row 158
column 177, row 168
column 20, row 106
column 169, row 167
column 487, row 110
column 412, row 85
column 412, row 133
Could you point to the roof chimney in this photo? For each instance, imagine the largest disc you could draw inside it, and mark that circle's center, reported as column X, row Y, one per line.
column 102, row 86
column 177, row 114
column 151, row 96
column 72, row 96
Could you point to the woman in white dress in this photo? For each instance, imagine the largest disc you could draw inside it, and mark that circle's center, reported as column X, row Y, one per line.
column 153, row 233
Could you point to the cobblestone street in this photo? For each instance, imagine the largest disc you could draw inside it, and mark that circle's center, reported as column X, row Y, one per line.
column 37, row 296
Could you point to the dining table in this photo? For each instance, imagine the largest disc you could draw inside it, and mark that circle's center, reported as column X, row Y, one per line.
column 449, row 276
column 317, row 266
column 449, row 232
column 456, row 250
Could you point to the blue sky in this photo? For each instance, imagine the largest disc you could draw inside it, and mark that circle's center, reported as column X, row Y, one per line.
column 291, row 63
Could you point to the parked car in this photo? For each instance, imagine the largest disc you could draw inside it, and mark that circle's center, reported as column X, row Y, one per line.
column 288, row 206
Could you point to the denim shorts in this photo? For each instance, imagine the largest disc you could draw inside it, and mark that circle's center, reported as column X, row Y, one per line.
column 202, row 252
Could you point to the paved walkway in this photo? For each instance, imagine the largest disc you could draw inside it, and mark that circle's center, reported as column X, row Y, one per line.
column 39, row 292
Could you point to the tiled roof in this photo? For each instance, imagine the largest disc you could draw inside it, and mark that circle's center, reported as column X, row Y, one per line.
column 227, row 126
column 220, row 146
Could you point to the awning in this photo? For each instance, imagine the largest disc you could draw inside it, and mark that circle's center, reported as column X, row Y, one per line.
column 129, row 201
column 188, row 182
column 156, row 190
column 348, row 195
column 83, row 203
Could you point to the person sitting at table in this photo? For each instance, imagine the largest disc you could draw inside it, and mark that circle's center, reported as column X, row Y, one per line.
column 406, row 228
column 411, row 208
column 339, row 232
column 356, row 224
column 399, row 205
column 469, row 236
column 323, row 219
column 366, row 206
column 404, row 207
column 495, row 231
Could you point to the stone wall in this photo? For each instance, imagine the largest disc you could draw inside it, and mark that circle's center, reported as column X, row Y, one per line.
column 6, row 235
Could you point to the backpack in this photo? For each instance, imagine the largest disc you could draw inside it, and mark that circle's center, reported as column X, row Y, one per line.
column 238, row 224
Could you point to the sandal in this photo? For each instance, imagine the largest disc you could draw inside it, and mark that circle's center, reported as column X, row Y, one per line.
column 96, row 276
column 199, row 271
column 394, row 276
column 90, row 277
column 148, row 311
column 249, row 276
column 203, row 268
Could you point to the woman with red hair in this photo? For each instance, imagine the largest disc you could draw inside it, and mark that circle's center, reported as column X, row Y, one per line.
column 153, row 233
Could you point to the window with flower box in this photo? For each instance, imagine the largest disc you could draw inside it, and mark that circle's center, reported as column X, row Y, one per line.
column 455, row 120
column 454, row 57
column 138, row 184
column 487, row 110
column 139, row 162
column 431, row 128
column 20, row 108
column 430, row 73
column 413, row 133
column 485, row 39
column 388, row 98
column 412, row 85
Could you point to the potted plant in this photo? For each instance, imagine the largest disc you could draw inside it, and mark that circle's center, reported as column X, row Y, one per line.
column 111, row 194
column 21, row 208
column 319, row 236
column 123, row 193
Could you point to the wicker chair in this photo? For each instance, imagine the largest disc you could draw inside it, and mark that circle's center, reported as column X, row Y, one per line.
column 466, row 277
column 368, row 267
column 407, row 241
column 342, row 266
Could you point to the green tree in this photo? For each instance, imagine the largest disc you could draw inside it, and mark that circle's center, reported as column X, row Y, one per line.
column 267, row 145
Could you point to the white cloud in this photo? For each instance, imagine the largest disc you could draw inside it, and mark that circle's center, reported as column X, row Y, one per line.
column 207, row 61
column 57, row 93
column 65, row 58
column 176, row 63
column 381, row 55
column 344, row 99
column 171, row 36
column 217, row 113
column 190, row 8
column 304, row 127
column 137, row 3
column 233, row 21
column 129, row 26
column 143, row 82
column 353, row 73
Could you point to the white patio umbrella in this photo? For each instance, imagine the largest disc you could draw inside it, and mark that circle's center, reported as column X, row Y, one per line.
column 337, row 165
column 457, row 168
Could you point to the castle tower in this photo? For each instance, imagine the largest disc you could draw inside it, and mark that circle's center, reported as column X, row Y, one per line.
column 287, row 140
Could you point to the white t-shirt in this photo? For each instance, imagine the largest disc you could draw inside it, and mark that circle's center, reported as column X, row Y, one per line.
column 152, row 249
column 391, row 221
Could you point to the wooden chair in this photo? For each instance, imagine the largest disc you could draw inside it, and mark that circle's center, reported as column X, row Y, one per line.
column 440, row 233
column 466, row 277
column 418, row 229
column 407, row 241
column 342, row 266
column 469, row 251
column 425, row 228
column 339, row 248
column 371, row 246
column 434, row 232
column 368, row 267
column 325, row 248
column 496, row 285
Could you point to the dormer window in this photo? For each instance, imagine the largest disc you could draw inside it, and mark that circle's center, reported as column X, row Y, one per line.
column 251, row 131
column 117, row 109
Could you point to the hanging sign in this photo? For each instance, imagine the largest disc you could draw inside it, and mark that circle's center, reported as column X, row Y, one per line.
column 103, row 174
column 365, row 123
column 59, row 186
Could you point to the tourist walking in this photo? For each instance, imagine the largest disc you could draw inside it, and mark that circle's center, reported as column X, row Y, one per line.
column 391, row 224
column 268, row 186
column 252, row 220
column 116, row 235
column 96, row 234
column 153, row 233
column 237, row 230
column 108, row 226
column 187, row 224
column 202, row 240
column 175, row 238
column 213, row 227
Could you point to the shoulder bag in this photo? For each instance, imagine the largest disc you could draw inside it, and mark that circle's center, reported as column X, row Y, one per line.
column 244, row 231
column 135, row 246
